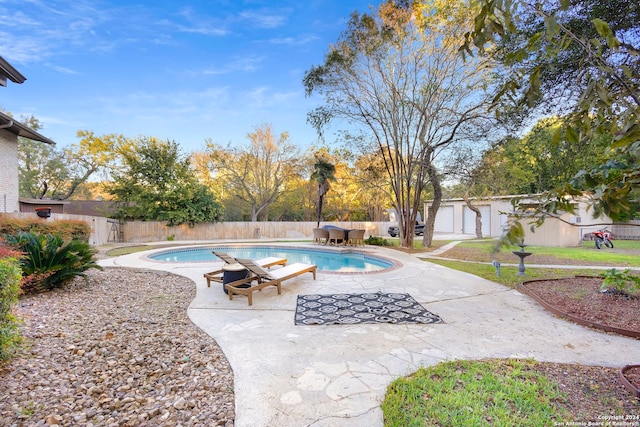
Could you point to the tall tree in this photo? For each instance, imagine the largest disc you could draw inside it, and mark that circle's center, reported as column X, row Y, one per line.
column 256, row 174
column 42, row 170
column 539, row 161
column 584, row 53
column 370, row 175
column 397, row 73
column 323, row 173
column 156, row 182
column 39, row 165
column 45, row 172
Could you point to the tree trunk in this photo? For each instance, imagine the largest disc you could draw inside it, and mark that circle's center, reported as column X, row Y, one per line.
column 320, row 200
column 478, row 216
column 430, row 223
column 407, row 226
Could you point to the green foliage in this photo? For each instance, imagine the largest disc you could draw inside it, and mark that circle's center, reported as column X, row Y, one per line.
column 67, row 229
column 621, row 281
column 42, row 170
column 474, row 393
column 157, row 183
column 323, row 173
column 542, row 160
column 45, row 172
column 377, row 241
column 49, row 261
column 258, row 173
column 585, row 53
column 10, row 277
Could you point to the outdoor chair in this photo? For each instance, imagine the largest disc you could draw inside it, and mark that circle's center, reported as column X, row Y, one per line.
column 217, row 276
column 337, row 236
column 266, row 278
column 356, row 237
column 320, row 235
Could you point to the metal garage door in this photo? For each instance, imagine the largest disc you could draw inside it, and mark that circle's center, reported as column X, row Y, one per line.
column 469, row 220
column 444, row 220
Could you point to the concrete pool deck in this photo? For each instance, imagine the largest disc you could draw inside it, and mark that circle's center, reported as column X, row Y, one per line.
column 289, row 375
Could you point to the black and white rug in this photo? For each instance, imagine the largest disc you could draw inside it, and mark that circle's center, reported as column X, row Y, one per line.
column 351, row 309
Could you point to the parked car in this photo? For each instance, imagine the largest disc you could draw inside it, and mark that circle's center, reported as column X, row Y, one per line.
column 394, row 230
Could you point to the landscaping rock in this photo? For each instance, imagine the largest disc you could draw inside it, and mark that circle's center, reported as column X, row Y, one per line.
column 117, row 349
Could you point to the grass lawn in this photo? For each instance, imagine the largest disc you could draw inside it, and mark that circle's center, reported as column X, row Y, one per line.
column 626, row 253
column 474, row 393
column 495, row 392
column 508, row 275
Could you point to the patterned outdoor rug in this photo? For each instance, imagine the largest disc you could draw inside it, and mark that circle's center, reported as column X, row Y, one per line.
column 350, row 309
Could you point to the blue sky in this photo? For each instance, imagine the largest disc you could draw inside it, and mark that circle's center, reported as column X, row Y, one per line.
column 184, row 71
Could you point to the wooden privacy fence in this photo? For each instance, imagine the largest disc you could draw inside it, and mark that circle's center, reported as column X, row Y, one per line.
column 140, row 231
column 106, row 231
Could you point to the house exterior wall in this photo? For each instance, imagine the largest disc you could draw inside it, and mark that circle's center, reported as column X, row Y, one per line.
column 8, row 172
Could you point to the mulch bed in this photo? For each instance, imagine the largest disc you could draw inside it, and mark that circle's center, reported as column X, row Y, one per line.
column 581, row 297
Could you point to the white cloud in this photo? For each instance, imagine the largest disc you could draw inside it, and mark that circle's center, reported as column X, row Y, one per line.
column 246, row 63
column 293, row 41
column 264, row 19
column 62, row 70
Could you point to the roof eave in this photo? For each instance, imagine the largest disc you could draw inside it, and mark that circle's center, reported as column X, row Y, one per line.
column 8, row 123
column 8, row 71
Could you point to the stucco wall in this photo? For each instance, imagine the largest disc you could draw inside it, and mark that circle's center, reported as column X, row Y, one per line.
column 8, row 172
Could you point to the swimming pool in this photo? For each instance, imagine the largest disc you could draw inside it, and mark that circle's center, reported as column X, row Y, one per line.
column 344, row 261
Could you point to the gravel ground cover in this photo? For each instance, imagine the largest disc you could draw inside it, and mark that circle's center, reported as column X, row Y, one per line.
column 116, row 350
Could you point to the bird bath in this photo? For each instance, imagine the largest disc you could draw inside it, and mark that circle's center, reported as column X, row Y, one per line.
column 522, row 255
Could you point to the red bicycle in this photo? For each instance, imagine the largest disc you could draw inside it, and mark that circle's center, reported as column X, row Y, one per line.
column 603, row 237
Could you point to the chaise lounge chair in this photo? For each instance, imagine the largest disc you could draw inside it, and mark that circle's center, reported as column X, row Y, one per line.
column 216, row 276
column 266, row 278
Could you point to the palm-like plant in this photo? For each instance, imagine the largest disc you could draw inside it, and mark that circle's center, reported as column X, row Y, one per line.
column 49, row 261
column 323, row 172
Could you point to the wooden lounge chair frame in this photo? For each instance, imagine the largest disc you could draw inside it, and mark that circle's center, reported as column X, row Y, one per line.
column 266, row 278
column 217, row 275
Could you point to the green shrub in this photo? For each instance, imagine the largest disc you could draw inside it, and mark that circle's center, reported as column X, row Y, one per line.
column 68, row 229
column 622, row 282
column 10, row 276
column 377, row 241
column 50, row 262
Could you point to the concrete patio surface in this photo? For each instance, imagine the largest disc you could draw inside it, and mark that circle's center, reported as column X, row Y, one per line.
column 288, row 375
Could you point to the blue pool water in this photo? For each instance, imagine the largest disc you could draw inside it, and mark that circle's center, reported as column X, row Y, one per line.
column 344, row 261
